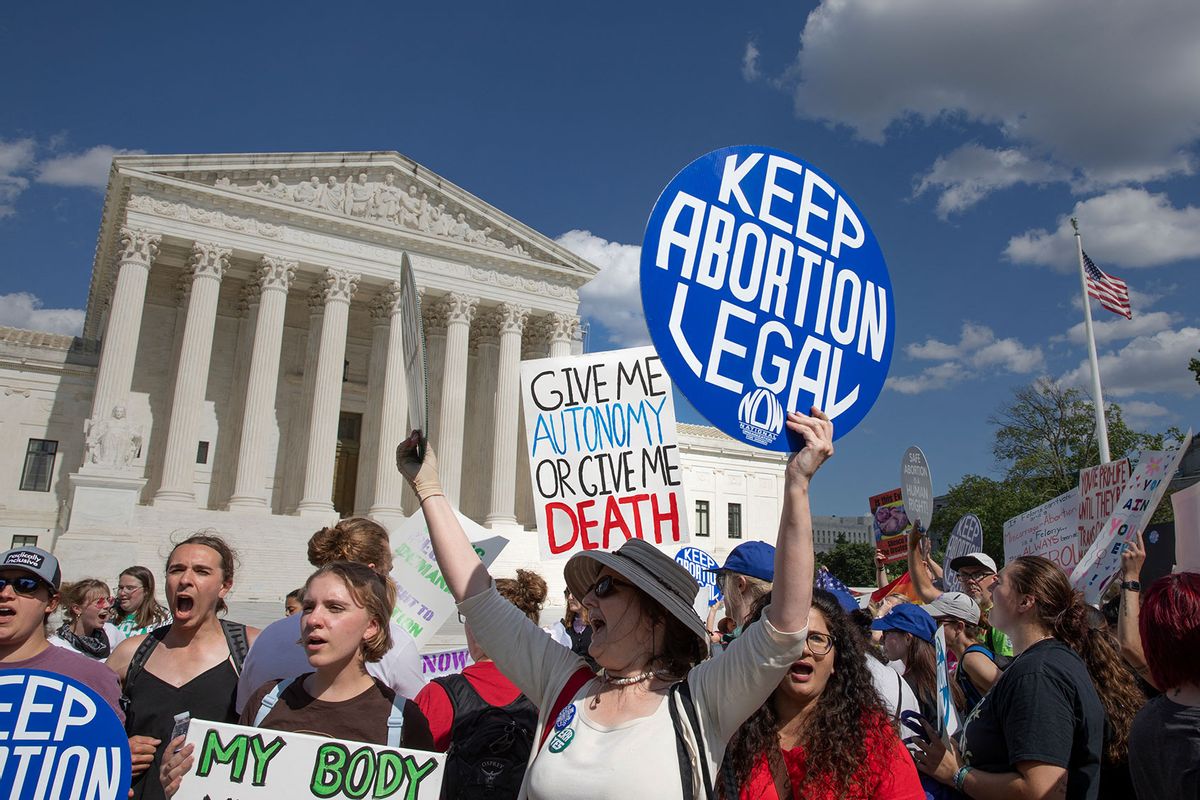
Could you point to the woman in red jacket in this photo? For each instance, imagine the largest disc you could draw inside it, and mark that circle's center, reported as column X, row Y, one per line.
column 824, row 733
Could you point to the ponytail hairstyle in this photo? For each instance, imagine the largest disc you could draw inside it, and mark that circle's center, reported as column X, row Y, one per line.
column 834, row 736
column 77, row 593
column 355, row 539
column 373, row 592
column 527, row 592
column 1061, row 611
column 148, row 613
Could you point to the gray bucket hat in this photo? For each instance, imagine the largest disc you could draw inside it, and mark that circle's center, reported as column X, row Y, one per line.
column 645, row 566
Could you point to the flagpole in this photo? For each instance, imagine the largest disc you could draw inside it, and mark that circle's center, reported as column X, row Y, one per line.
column 1097, row 396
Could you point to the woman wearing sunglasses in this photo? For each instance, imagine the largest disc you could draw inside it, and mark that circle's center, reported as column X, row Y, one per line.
column 87, row 609
column 656, row 721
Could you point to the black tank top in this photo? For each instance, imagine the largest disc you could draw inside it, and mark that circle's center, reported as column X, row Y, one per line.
column 153, row 704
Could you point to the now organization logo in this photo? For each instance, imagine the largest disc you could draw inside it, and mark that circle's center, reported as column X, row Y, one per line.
column 760, row 416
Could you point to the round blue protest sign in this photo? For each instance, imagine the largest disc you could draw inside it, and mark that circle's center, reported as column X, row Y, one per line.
column 61, row 739
column 765, row 291
column 702, row 567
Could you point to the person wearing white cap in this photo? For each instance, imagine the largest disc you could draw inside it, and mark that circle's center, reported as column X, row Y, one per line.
column 977, row 672
column 657, row 719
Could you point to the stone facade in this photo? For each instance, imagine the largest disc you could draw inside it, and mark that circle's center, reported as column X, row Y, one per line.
column 240, row 368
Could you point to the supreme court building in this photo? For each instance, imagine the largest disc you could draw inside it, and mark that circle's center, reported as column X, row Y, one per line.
column 240, row 369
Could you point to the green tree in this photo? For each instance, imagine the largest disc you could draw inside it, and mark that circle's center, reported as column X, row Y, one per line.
column 1194, row 366
column 850, row 562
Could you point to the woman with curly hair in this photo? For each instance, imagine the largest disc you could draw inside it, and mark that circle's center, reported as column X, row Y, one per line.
column 824, row 732
column 1062, row 708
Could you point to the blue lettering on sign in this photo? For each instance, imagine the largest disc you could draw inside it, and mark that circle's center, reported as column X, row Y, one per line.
column 58, row 738
column 765, row 291
column 702, row 567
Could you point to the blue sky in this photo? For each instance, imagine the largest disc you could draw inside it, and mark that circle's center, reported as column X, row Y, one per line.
column 967, row 133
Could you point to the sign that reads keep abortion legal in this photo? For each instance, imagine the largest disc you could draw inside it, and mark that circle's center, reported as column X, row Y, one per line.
column 58, row 738
column 602, row 451
column 1145, row 488
column 765, row 291
column 703, row 569
column 233, row 761
column 967, row 537
column 1051, row 530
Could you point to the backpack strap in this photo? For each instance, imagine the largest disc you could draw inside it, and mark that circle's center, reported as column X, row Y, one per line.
column 269, row 701
column 574, row 683
column 899, row 698
column 142, row 654
column 464, row 699
column 395, row 722
column 684, row 692
column 238, row 643
column 978, row 648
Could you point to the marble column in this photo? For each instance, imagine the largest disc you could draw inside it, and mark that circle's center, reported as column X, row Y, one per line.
column 337, row 288
column 435, row 313
column 115, row 373
column 387, row 490
column 563, row 328
column 274, row 278
column 481, row 404
column 508, row 388
column 460, row 309
column 207, row 267
column 376, row 364
column 293, row 472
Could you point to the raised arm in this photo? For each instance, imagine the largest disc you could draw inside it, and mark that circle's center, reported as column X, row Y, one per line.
column 791, row 593
column 464, row 573
column 1132, row 559
column 921, row 582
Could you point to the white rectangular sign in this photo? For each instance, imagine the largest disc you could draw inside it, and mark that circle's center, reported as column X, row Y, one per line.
column 1099, row 565
column 1100, row 490
column 1186, row 504
column 445, row 662
column 233, row 761
column 603, row 455
column 423, row 601
column 1051, row 530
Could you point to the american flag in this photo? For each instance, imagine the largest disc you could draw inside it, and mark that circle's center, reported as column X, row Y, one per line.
column 1112, row 292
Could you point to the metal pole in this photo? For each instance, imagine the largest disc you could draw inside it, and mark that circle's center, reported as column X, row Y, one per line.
column 1097, row 395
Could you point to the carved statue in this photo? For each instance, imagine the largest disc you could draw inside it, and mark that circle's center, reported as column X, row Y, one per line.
column 425, row 215
column 460, row 229
column 333, row 195
column 307, row 193
column 276, row 188
column 443, row 223
column 112, row 441
column 410, row 208
column 386, row 203
column 359, row 196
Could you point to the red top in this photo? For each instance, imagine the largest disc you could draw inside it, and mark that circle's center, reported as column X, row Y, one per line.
column 484, row 678
column 888, row 773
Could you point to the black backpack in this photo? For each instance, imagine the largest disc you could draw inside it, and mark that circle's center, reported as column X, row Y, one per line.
column 235, row 638
column 489, row 746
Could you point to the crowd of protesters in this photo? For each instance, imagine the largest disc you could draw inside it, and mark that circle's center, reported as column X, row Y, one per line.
column 786, row 691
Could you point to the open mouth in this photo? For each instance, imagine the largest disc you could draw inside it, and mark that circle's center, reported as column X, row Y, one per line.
column 184, row 604
column 597, row 625
column 7, row 611
column 313, row 641
column 800, row 672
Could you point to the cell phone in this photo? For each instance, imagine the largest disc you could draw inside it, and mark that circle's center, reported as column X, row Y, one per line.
column 182, row 721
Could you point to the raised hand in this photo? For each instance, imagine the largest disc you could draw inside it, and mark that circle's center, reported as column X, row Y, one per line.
column 817, row 431
column 421, row 474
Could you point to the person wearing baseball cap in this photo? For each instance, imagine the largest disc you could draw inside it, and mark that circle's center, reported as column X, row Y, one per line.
column 746, row 576
column 977, row 672
column 30, row 579
column 977, row 574
column 908, row 632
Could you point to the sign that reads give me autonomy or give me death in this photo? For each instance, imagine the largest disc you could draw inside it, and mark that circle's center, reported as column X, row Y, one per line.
column 58, row 738
column 765, row 291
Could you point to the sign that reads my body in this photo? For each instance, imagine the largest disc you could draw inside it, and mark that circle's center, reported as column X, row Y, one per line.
column 58, row 738
column 765, row 291
column 234, row 761
column 602, row 451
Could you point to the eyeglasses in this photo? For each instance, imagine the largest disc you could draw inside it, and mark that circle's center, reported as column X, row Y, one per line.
column 819, row 644
column 605, row 586
column 101, row 602
column 975, row 577
column 24, row 585
column 126, row 589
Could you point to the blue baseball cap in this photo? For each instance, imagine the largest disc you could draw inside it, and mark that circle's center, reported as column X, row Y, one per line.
column 910, row 618
column 753, row 559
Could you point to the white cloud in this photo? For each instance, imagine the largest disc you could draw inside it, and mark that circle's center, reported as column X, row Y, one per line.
column 976, row 352
column 24, row 310
column 1129, row 228
column 1120, row 329
column 1142, row 413
column 750, row 71
column 972, row 172
column 612, row 299
column 89, row 168
column 1157, row 364
column 1041, row 74
column 15, row 157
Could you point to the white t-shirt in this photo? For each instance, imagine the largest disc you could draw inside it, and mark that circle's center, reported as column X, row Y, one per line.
column 115, row 637
column 894, row 690
column 277, row 654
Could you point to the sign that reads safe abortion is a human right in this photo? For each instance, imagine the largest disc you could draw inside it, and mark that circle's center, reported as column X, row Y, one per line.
column 765, row 291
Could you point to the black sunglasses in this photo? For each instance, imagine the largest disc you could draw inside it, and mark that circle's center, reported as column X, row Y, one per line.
column 24, row 584
column 605, row 586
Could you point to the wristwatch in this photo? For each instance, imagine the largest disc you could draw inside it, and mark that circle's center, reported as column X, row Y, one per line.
column 1131, row 586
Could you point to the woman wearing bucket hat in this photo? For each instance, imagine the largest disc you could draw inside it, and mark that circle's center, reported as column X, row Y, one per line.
column 620, row 734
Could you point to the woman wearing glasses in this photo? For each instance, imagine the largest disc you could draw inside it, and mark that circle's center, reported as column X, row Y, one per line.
column 656, row 721
column 87, row 608
column 824, row 732
column 138, row 611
